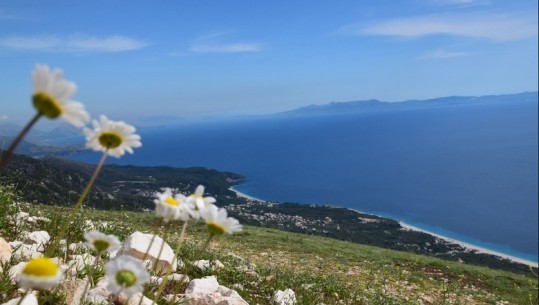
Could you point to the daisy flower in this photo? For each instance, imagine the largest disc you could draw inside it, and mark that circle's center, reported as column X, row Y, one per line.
column 198, row 202
column 100, row 242
column 112, row 137
column 52, row 95
column 171, row 207
column 40, row 273
column 126, row 274
column 217, row 221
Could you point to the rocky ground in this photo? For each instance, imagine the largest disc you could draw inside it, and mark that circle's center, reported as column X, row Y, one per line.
column 75, row 259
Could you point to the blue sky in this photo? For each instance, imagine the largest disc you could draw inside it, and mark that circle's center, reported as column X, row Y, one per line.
column 198, row 58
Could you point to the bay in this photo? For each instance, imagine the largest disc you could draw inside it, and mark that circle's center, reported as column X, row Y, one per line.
column 469, row 170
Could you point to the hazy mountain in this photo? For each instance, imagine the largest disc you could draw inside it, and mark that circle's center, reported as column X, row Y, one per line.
column 377, row 105
column 61, row 131
column 39, row 149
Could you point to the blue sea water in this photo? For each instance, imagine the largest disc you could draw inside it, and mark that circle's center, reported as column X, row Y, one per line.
column 469, row 171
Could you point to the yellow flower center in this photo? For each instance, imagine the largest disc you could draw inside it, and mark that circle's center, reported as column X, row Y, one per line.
column 46, row 105
column 110, row 139
column 40, row 267
column 214, row 228
column 126, row 278
column 171, row 201
column 101, row 245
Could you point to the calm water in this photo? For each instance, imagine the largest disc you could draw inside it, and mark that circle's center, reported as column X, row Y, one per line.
column 468, row 171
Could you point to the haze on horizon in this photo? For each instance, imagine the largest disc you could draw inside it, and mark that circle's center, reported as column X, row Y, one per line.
column 199, row 58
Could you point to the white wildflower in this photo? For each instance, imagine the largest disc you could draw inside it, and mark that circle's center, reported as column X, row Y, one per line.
column 112, row 137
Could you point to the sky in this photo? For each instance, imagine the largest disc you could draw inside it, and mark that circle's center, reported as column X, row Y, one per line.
column 194, row 58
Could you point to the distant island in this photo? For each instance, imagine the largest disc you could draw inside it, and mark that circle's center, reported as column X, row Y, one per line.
column 377, row 105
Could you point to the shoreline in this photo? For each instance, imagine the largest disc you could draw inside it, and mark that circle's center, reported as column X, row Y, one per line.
column 465, row 245
column 243, row 195
column 471, row 247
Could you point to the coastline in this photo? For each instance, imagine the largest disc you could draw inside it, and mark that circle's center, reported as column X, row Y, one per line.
column 471, row 247
column 243, row 195
column 465, row 245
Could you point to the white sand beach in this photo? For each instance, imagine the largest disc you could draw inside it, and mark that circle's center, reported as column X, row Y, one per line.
column 471, row 247
column 410, row 227
column 240, row 194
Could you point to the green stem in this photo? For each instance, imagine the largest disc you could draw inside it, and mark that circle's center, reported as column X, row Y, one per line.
column 154, row 265
column 190, row 266
column 23, row 296
column 151, row 241
column 169, row 270
column 78, row 205
column 17, row 140
column 150, row 246
column 165, row 237
column 90, row 278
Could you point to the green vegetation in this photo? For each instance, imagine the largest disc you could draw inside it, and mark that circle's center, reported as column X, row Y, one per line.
column 58, row 181
column 320, row 270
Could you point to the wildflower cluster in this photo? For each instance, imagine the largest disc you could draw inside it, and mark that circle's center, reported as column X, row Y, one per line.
column 125, row 274
column 196, row 206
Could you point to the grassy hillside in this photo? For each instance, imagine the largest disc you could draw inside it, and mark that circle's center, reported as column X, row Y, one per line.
column 59, row 181
column 320, row 270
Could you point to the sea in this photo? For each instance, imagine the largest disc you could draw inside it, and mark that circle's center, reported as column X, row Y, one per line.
column 467, row 171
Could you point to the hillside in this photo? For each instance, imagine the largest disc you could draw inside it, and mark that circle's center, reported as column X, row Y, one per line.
column 38, row 149
column 57, row 181
column 260, row 261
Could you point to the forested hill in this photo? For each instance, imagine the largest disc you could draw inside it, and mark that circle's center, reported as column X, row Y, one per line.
column 58, row 181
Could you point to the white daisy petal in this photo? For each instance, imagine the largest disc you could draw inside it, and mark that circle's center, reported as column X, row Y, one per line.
column 126, row 275
column 171, row 207
column 52, row 95
column 112, row 137
column 64, row 90
column 198, row 202
column 40, row 273
column 199, row 191
column 40, row 78
column 73, row 114
column 217, row 221
column 100, row 242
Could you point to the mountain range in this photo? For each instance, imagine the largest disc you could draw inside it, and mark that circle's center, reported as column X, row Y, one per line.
column 377, row 105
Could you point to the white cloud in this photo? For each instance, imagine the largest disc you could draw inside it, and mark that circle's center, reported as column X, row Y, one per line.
column 440, row 54
column 30, row 43
column 497, row 27
column 72, row 44
column 108, row 44
column 178, row 54
column 226, row 48
column 216, row 35
column 218, row 42
column 3, row 117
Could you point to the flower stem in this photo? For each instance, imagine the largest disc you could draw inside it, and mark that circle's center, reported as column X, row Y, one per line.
column 18, row 139
column 23, row 296
column 151, row 241
column 154, row 265
column 198, row 256
column 165, row 237
column 169, row 270
column 90, row 278
column 78, row 205
column 150, row 246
